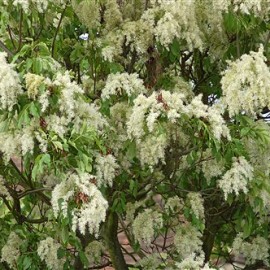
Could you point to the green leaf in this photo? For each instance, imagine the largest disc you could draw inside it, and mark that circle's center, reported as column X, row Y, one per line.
column 37, row 65
column 64, row 234
column 40, row 161
column 175, row 48
column 34, row 110
column 61, row 253
column 27, row 261
column 57, row 145
column 83, row 258
column 131, row 150
column 244, row 131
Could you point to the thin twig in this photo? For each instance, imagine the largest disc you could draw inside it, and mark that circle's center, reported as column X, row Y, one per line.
column 5, row 49
column 57, row 29
column 20, row 30
column 27, row 192
column 10, row 36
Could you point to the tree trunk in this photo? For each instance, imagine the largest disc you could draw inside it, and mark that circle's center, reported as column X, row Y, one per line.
column 113, row 245
column 209, row 235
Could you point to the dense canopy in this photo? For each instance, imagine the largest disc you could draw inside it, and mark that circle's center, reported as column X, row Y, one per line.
column 132, row 134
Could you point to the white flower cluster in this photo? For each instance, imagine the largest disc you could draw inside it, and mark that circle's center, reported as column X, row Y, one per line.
column 89, row 113
column 69, row 91
column 26, row 140
column 152, row 149
column 148, row 111
column 257, row 249
column 121, row 84
column 210, row 166
column 152, row 261
column 41, row 5
column 57, row 124
column 145, row 224
column 11, row 250
column 187, row 240
column 83, row 9
column 195, row 201
column 173, row 205
column 195, row 262
column 43, row 100
column 32, row 83
column 8, row 145
column 138, row 35
column 236, row 179
column 172, row 105
column 132, row 207
column 179, row 21
column 47, row 251
column 3, row 190
column 18, row 142
column 258, row 152
column 119, row 113
column 9, row 84
column 265, row 197
column 106, row 169
column 92, row 206
column 259, row 8
column 41, row 137
column 246, row 84
column 94, row 251
column 72, row 108
column 112, row 15
column 212, row 114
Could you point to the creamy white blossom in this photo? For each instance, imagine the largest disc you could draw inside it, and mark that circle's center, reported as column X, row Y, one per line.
column 194, row 261
column 148, row 110
column 41, row 137
column 69, row 91
column 196, row 204
column 9, row 84
column 57, row 124
column 246, row 84
column 3, row 189
column 236, row 179
column 27, row 140
column 32, row 83
column 43, row 100
column 88, row 113
column 47, row 251
column 145, row 224
column 187, row 240
column 152, row 261
column 259, row 8
column 94, row 251
column 40, row 5
column 121, row 84
column 23, row 3
column 92, row 206
column 210, row 166
column 256, row 249
column 8, row 145
column 174, row 205
column 10, row 252
column 152, row 149
column 106, row 169
column 179, row 21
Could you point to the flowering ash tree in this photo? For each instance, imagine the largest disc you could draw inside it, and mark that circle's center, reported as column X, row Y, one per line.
column 140, row 118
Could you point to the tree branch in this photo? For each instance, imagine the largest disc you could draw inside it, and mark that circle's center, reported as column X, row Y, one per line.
column 5, row 49
column 57, row 29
